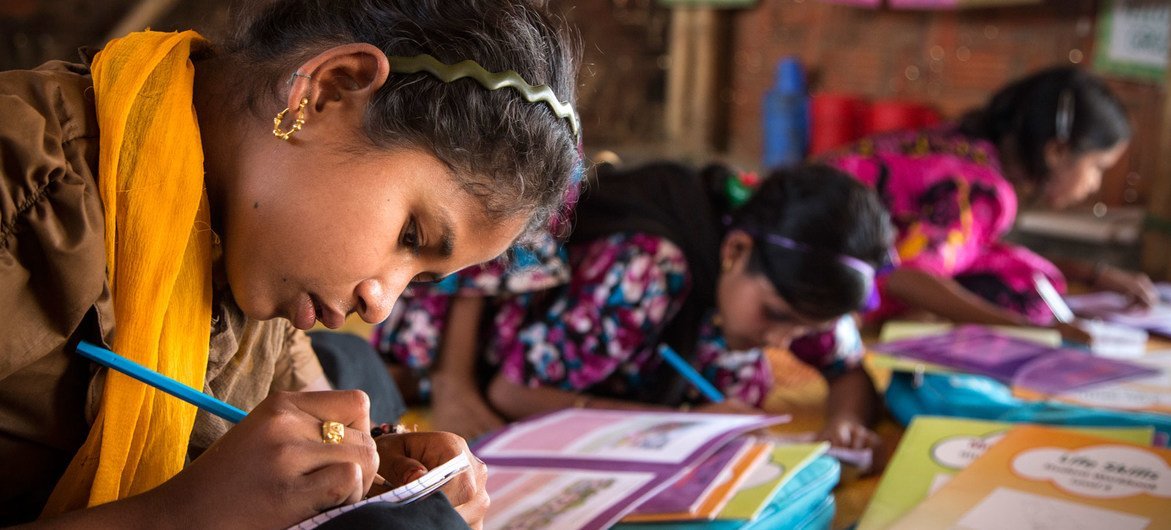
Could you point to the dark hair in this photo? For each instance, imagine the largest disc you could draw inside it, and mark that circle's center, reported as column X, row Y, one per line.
column 833, row 215
column 1023, row 117
column 515, row 156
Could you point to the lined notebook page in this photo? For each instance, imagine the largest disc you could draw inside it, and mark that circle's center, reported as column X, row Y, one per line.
column 401, row 495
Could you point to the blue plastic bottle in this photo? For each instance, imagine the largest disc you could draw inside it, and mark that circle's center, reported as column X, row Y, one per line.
column 786, row 116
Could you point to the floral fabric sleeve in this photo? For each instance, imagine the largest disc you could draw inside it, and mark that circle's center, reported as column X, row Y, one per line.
column 832, row 351
column 621, row 293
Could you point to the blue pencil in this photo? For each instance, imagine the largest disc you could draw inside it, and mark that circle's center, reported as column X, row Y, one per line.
column 117, row 362
column 684, row 368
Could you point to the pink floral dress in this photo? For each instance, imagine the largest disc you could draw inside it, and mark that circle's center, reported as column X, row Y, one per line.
column 951, row 204
column 598, row 331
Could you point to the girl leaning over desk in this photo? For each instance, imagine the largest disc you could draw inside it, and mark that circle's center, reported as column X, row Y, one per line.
column 652, row 260
column 952, row 192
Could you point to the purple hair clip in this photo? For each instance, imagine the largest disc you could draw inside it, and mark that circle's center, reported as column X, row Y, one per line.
column 863, row 268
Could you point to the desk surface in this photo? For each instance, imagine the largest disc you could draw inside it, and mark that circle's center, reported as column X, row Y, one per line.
column 800, row 391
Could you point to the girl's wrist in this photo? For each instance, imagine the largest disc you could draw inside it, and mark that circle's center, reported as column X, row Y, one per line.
column 1096, row 273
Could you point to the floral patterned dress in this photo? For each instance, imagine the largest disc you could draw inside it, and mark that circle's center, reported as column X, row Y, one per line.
column 951, row 205
column 597, row 332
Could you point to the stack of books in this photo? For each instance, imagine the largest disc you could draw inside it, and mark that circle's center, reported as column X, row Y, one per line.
column 980, row 475
column 587, row 469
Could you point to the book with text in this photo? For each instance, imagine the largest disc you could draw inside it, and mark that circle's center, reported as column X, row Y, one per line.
column 1041, row 478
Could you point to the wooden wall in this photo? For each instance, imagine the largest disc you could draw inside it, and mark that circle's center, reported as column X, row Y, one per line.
column 951, row 59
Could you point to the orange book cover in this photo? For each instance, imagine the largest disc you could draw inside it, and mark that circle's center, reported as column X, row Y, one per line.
column 1041, row 478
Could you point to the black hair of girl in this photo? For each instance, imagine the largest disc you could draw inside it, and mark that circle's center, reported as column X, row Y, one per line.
column 833, row 215
column 1022, row 117
column 517, row 157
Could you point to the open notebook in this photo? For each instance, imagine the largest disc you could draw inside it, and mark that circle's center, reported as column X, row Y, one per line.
column 405, row 494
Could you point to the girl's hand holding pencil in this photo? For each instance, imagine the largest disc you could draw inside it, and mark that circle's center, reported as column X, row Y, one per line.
column 273, row 466
column 407, row 456
column 296, row 455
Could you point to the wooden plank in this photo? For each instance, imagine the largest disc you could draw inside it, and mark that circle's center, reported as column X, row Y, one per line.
column 678, row 74
column 704, row 99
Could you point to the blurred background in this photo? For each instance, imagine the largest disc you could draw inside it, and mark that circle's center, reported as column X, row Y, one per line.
column 719, row 79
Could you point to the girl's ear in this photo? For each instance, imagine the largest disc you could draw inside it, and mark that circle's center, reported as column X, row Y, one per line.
column 735, row 251
column 1056, row 154
column 346, row 74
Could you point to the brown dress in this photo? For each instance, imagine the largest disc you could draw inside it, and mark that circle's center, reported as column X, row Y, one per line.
column 53, row 292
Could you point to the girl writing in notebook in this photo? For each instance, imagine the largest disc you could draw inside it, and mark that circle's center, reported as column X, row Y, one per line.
column 652, row 261
column 952, row 193
column 193, row 206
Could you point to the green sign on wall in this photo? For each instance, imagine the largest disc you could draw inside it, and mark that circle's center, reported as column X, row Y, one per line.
column 1132, row 39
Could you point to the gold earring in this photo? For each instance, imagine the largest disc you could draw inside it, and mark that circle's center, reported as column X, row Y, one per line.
column 726, row 265
column 297, row 123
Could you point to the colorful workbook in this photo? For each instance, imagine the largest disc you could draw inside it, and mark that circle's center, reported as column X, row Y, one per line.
column 584, row 468
column 1150, row 394
column 792, row 486
column 1041, row 478
column 1117, row 308
column 761, row 486
column 704, row 490
column 978, row 350
column 933, row 449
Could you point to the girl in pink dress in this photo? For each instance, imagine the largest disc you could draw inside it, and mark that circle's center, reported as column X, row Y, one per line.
column 952, row 195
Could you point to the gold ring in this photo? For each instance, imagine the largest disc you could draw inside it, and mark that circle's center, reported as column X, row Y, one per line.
column 332, row 432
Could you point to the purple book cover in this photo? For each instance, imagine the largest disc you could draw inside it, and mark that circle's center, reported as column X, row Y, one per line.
column 686, row 494
column 971, row 349
column 1068, row 370
column 977, row 350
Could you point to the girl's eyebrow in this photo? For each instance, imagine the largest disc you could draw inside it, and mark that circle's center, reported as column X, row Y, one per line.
column 446, row 233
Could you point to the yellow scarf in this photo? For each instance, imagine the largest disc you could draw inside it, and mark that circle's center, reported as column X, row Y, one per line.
column 158, row 264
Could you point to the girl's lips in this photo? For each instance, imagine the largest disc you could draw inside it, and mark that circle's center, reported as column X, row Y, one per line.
column 306, row 314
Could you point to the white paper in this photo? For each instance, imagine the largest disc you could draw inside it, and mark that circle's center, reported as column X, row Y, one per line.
column 405, row 494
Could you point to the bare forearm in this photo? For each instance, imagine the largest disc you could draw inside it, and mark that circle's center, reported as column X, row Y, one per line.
column 457, row 351
column 948, row 299
column 852, row 396
column 517, row 401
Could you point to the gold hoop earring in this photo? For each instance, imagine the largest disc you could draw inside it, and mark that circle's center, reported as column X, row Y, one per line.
column 297, row 123
column 726, row 265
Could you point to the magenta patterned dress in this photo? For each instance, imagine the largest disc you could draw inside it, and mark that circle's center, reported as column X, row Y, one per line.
column 951, row 204
column 596, row 333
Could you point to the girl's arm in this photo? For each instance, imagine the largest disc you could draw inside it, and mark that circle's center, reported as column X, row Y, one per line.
column 948, row 299
column 457, row 403
column 519, row 401
column 271, row 469
column 850, row 409
column 1136, row 285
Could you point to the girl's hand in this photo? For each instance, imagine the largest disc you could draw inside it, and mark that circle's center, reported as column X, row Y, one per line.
column 1074, row 332
column 851, row 434
column 1136, row 285
column 273, row 470
column 406, row 457
column 728, row 406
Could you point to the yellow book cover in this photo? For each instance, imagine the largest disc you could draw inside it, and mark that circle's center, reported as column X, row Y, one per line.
column 934, row 449
column 1041, row 478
